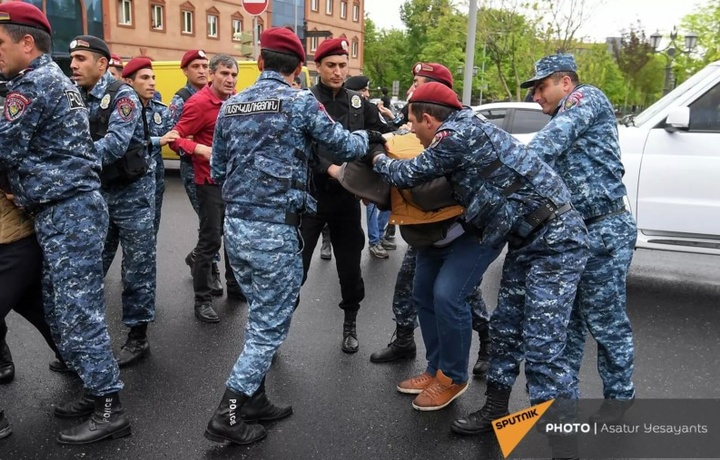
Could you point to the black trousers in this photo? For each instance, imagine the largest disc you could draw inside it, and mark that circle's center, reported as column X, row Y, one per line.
column 212, row 216
column 21, row 286
column 341, row 211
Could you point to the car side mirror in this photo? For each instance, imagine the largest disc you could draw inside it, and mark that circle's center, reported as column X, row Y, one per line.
column 678, row 119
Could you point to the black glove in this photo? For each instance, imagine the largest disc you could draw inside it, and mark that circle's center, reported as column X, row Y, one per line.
column 374, row 150
column 375, row 137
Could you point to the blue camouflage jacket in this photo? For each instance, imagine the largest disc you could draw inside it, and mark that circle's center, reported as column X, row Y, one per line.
column 481, row 161
column 125, row 126
column 45, row 137
column 581, row 144
column 159, row 121
column 262, row 147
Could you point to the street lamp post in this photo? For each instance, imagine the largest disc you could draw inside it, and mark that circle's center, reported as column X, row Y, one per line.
column 671, row 51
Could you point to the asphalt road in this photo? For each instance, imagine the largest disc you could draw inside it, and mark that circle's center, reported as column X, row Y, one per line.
column 344, row 406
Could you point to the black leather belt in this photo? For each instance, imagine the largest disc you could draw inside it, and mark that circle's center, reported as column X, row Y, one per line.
column 596, row 219
column 535, row 220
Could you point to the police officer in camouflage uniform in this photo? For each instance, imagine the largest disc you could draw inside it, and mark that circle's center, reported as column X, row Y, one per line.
column 261, row 152
column 508, row 195
column 581, row 144
column 138, row 73
column 53, row 174
column 116, row 125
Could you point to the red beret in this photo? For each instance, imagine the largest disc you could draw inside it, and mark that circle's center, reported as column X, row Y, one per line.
column 282, row 40
column 436, row 93
column 136, row 64
column 190, row 56
column 24, row 14
column 332, row 47
column 115, row 61
column 434, row 71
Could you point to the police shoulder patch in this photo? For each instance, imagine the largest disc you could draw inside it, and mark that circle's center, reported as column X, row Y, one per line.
column 439, row 137
column 125, row 107
column 15, row 106
column 105, row 102
column 355, row 101
column 157, row 118
column 573, row 100
column 252, row 107
column 74, row 99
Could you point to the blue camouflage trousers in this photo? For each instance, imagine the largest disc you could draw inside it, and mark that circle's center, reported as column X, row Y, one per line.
column 537, row 291
column 187, row 174
column 403, row 305
column 267, row 262
column 71, row 235
column 600, row 307
column 159, row 190
column 132, row 211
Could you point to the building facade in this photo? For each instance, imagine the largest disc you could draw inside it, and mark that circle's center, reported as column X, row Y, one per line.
column 165, row 29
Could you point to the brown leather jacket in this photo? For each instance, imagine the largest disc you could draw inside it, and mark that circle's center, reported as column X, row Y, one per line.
column 403, row 211
column 14, row 223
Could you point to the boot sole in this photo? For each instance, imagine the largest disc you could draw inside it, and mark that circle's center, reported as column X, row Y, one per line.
column 410, row 391
column 466, row 432
column 433, row 408
column 350, row 351
column 134, row 359
column 217, row 438
column 394, row 358
column 5, row 432
column 114, row 435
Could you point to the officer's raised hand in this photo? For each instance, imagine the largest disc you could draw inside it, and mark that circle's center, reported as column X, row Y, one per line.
column 375, row 137
column 375, row 150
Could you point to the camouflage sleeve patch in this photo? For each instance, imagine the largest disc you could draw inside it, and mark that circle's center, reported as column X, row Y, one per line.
column 74, row 99
column 321, row 108
column 573, row 100
column 439, row 137
column 125, row 107
column 15, row 106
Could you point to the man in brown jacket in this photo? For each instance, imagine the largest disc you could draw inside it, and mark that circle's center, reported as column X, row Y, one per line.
column 20, row 275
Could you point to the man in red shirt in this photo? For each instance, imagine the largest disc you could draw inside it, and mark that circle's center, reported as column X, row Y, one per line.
column 198, row 121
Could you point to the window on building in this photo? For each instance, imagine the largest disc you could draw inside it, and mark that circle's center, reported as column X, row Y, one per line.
column 237, row 28
column 356, row 11
column 187, row 22
column 260, row 26
column 343, row 9
column 315, row 5
column 125, row 12
column 355, row 48
column 328, row 7
column 212, row 26
column 157, row 17
column 313, row 43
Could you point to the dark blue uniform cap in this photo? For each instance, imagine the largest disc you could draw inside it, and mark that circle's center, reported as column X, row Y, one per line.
column 90, row 43
column 549, row 65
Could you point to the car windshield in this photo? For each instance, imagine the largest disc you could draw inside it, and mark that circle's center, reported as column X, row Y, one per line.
column 673, row 95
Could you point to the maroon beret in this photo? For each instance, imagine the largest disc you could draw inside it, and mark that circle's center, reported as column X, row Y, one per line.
column 190, row 56
column 136, row 64
column 282, row 40
column 24, row 14
column 115, row 61
column 434, row 71
column 436, row 93
column 332, row 47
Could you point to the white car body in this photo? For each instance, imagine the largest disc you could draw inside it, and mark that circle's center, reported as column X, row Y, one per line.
column 671, row 153
column 521, row 119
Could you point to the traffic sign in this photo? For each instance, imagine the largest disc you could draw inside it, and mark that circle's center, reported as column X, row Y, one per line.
column 255, row 7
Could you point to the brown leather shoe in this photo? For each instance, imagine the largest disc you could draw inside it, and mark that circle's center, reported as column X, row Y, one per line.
column 416, row 385
column 439, row 394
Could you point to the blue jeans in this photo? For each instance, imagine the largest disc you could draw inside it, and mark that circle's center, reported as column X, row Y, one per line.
column 377, row 220
column 443, row 279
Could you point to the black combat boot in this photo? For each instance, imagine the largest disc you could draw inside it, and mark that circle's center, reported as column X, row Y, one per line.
column 258, row 408
column 350, row 342
column 496, row 406
column 136, row 347
column 227, row 425
column 481, row 365
column 326, row 247
column 108, row 420
column 402, row 347
column 76, row 408
column 58, row 365
column 5, row 429
column 216, row 287
column 611, row 411
column 190, row 260
column 7, row 367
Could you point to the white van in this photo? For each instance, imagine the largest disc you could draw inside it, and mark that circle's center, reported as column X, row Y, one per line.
column 671, row 153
